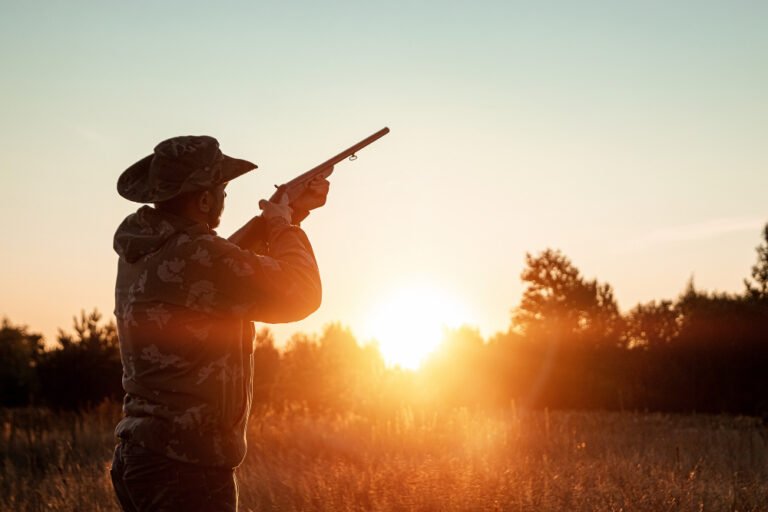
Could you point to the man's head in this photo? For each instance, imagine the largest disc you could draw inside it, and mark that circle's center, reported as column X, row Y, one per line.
column 185, row 175
column 203, row 206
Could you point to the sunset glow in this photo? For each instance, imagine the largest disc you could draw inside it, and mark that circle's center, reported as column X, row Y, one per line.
column 408, row 323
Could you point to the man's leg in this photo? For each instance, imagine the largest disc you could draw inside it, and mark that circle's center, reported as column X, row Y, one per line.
column 157, row 483
column 116, row 472
column 213, row 489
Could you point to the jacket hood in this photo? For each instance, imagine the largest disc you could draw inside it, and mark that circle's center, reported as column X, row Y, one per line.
column 147, row 230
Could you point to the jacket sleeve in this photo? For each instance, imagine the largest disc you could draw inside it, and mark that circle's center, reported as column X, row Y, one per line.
column 281, row 286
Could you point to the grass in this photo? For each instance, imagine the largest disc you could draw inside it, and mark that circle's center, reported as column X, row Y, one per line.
column 413, row 460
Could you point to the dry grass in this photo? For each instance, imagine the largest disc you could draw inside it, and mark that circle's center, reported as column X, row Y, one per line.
column 417, row 461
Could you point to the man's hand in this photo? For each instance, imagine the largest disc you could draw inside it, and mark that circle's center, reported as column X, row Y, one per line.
column 313, row 197
column 272, row 211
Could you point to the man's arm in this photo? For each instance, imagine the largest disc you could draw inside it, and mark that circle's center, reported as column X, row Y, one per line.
column 252, row 236
column 281, row 286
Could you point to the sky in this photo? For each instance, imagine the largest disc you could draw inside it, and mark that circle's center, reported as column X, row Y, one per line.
column 630, row 135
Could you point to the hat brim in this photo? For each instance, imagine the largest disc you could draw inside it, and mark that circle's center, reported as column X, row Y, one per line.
column 133, row 184
column 234, row 167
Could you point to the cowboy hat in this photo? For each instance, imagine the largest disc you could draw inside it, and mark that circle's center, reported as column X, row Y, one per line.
column 179, row 165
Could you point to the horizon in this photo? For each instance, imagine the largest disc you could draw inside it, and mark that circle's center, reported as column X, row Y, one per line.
column 422, row 340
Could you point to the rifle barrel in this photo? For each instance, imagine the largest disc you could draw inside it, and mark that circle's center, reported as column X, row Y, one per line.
column 341, row 156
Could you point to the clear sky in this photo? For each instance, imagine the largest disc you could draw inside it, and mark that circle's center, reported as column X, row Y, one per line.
column 631, row 135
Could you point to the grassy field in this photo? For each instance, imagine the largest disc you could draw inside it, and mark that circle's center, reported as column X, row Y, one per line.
column 417, row 461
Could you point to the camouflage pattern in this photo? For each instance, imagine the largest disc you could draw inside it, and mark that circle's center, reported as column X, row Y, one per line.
column 185, row 300
column 178, row 165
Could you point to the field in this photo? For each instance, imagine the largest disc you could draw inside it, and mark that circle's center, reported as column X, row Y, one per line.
column 459, row 460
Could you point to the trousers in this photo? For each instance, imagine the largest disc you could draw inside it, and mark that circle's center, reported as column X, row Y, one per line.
column 145, row 481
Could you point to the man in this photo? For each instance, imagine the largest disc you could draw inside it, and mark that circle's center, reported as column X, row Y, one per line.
column 185, row 300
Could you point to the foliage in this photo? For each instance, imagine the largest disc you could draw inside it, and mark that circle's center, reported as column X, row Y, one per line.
column 568, row 347
column 266, row 365
column 652, row 325
column 20, row 353
column 758, row 287
column 453, row 384
column 559, row 304
column 85, row 368
column 330, row 373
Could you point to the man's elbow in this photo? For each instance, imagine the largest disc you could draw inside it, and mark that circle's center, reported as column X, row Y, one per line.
column 310, row 304
column 292, row 308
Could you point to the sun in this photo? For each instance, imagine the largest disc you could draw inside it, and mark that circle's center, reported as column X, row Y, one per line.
column 408, row 323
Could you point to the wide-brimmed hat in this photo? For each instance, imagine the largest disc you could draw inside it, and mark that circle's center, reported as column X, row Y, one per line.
column 179, row 165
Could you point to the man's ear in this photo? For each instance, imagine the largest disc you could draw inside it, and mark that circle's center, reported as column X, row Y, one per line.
column 204, row 202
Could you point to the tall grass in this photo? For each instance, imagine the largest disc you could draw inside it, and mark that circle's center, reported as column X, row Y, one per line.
column 56, row 461
column 418, row 460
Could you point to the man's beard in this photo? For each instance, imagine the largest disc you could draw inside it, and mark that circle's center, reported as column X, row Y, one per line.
column 214, row 215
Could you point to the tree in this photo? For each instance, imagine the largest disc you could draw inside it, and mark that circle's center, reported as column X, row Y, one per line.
column 349, row 370
column 20, row 352
column 266, row 365
column 298, row 380
column 459, row 370
column 652, row 325
column 722, row 344
column 758, row 288
column 85, row 368
column 559, row 303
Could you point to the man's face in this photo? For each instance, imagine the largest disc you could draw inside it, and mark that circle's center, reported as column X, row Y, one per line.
column 217, row 205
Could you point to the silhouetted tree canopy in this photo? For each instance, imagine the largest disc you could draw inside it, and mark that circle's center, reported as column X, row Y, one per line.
column 266, row 366
column 651, row 325
column 568, row 346
column 20, row 352
column 85, row 368
column 757, row 287
column 559, row 304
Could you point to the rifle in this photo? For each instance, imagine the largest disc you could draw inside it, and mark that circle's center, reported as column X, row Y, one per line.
column 253, row 231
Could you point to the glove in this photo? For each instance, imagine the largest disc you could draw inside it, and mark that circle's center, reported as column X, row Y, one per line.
column 278, row 211
column 313, row 197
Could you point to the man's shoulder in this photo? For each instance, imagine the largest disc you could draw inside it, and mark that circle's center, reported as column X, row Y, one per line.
column 202, row 252
column 191, row 242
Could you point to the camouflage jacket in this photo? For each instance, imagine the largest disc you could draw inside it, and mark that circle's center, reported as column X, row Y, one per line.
column 185, row 300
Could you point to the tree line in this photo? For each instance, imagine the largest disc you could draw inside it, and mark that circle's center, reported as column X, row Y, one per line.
column 568, row 346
